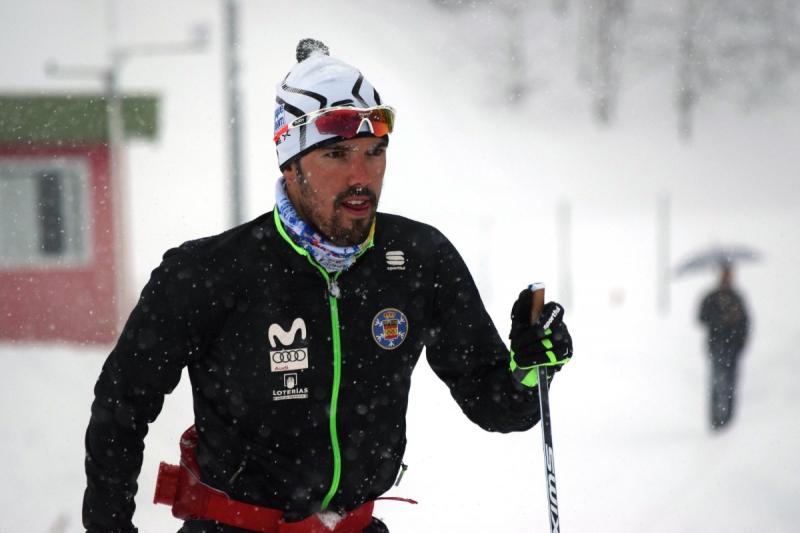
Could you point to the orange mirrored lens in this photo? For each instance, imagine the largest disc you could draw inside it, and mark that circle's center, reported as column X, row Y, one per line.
column 347, row 122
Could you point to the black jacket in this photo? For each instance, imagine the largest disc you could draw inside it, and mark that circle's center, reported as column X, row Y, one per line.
column 300, row 383
column 724, row 313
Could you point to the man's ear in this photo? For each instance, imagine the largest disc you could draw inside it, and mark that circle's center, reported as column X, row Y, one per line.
column 290, row 172
column 293, row 174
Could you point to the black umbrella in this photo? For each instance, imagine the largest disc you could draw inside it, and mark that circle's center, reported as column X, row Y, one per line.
column 717, row 257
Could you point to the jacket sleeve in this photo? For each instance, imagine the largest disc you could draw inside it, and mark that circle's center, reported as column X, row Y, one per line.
column 467, row 353
column 162, row 334
column 743, row 326
column 709, row 309
column 704, row 316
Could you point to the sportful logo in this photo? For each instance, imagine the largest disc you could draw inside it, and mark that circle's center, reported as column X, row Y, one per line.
column 395, row 260
column 285, row 358
column 553, row 316
column 291, row 390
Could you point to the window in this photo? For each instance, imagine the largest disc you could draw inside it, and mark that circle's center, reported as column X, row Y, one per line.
column 44, row 219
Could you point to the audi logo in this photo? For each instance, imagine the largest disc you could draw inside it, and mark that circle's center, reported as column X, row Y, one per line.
column 289, row 356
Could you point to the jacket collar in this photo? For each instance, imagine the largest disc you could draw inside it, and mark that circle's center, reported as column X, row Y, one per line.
column 301, row 255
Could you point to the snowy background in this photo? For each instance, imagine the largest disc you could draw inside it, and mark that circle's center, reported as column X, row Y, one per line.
column 633, row 452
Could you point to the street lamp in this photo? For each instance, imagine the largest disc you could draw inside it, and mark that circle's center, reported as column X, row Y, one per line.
column 109, row 76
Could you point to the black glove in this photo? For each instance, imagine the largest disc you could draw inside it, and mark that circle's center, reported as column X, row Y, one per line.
column 545, row 343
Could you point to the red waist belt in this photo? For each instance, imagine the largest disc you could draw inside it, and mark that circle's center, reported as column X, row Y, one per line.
column 191, row 499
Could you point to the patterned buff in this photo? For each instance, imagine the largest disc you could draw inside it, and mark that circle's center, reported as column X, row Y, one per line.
column 331, row 258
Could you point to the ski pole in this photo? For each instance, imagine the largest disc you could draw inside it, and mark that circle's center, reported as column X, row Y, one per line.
column 544, row 411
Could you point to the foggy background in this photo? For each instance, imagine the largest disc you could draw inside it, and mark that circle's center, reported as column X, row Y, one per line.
column 589, row 144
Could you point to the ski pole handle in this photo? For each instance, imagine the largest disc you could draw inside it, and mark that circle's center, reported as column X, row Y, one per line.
column 538, row 300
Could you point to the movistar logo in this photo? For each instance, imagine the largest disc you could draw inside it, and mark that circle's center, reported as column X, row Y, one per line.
column 277, row 333
column 284, row 357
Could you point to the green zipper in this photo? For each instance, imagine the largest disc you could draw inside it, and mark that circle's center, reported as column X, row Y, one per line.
column 337, row 379
column 333, row 294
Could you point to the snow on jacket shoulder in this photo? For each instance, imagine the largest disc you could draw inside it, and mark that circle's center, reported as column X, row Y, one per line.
column 300, row 378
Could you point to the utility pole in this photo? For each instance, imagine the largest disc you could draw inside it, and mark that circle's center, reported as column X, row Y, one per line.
column 234, row 115
column 564, row 251
column 663, row 252
column 109, row 75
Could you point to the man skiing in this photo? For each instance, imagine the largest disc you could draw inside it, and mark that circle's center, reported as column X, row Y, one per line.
column 300, row 331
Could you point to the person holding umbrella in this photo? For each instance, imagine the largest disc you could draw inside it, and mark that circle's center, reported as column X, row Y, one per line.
column 724, row 314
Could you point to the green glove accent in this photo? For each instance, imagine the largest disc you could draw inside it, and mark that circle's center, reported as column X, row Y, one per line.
column 528, row 376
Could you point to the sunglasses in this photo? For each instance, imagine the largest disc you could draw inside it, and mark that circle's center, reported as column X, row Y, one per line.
column 345, row 122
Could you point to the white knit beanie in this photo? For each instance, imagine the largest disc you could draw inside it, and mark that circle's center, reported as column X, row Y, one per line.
column 316, row 82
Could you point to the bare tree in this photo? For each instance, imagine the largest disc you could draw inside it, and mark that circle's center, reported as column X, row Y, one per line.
column 688, row 67
column 603, row 30
column 560, row 7
column 746, row 48
column 756, row 45
column 744, row 51
column 517, row 84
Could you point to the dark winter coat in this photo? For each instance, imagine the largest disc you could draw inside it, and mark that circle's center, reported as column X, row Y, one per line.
column 724, row 313
column 300, row 383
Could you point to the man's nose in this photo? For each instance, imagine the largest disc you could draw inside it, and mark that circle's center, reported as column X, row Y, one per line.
column 359, row 171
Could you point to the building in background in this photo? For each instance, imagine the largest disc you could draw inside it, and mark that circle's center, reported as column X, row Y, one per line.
column 62, row 264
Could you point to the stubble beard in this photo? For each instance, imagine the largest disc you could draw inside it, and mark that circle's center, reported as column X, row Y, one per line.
column 352, row 236
column 335, row 228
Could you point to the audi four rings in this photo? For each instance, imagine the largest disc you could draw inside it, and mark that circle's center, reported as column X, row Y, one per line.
column 288, row 356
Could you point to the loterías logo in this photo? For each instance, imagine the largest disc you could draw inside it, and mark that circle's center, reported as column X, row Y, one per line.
column 291, row 389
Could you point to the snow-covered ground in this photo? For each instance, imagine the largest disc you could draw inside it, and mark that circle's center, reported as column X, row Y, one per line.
column 632, row 449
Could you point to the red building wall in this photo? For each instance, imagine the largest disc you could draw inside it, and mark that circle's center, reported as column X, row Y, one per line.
column 72, row 302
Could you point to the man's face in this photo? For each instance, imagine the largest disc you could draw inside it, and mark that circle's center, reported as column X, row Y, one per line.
column 336, row 188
